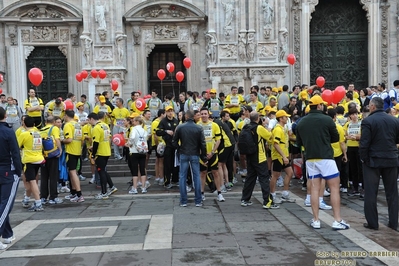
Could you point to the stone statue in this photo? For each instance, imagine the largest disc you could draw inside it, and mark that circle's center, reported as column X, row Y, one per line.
column 242, row 43
column 136, row 34
column 87, row 48
column 105, row 54
column 228, row 7
column 211, row 48
column 251, row 46
column 119, row 43
column 268, row 12
column 283, row 35
column 100, row 10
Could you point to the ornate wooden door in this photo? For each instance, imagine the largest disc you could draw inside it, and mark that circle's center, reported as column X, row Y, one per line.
column 159, row 57
column 53, row 64
column 338, row 43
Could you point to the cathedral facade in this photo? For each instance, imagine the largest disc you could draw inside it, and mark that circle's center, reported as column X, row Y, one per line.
column 230, row 43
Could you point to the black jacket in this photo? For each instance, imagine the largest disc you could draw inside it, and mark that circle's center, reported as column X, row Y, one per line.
column 380, row 134
column 164, row 125
column 9, row 151
column 192, row 139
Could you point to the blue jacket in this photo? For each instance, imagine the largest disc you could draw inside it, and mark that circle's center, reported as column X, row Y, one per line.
column 9, row 150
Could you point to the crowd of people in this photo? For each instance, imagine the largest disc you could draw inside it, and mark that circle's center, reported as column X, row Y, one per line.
column 201, row 140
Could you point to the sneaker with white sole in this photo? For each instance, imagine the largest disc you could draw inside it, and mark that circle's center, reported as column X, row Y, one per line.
column 169, row 186
column 92, row 180
column 147, row 184
column 112, row 191
column 315, row 224
column 82, row 178
column 287, row 198
column 277, row 200
column 343, row 190
column 326, row 193
column 307, row 203
column 70, row 196
column 101, row 196
column 245, row 203
column 304, row 188
column 65, row 189
column 183, row 204
column 8, row 240
column 139, row 184
column 270, row 206
column 221, row 198
column 3, row 246
column 25, row 203
column 199, row 205
column 133, row 191
column 55, row 201
column 36, row 208
column 342, row 225
column 77, row 199
column 188, row 189
column 161, row 181
column 143, row 190
column 157, row 180
column 324, row 206
column 203, row 197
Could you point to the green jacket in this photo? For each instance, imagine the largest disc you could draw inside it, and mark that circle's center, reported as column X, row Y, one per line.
column 316, row 131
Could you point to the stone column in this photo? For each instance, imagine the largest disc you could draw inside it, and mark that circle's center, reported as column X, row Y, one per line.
column 374, row 62
column 17, row 80
column 307, row 9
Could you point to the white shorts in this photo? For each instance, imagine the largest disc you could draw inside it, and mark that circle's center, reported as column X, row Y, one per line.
column 323, row 168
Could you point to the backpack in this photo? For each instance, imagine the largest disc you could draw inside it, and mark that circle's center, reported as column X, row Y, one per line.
column 141, row 144
column 247, row 140
column 50, row 148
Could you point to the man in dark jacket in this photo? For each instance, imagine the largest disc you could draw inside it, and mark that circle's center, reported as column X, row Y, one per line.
column 189, row 139
column 166, row 129
column 378, row 153
column 10, row 171
column 316, row 132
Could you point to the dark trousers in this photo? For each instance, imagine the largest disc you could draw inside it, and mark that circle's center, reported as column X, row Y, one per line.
column 355, row 167
column 371, row 182
column 260, row 170
column 49, row 178
column 8, row 190
column 84, row 152
column 229, row 165
column 342, row 170
column 101, row 164
column 171, row 172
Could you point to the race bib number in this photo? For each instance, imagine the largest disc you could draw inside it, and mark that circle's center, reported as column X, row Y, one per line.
column 214, row 106
column 37, row 142
column 234, row 100
column 195, row 107
column 103, row 109
column 57, row 111
column 78, row 132
column 12, row 112
column 119, row 122
column 354, row 129
column 153, row 104
column 107, row 133
column 34, row 103
column 208, row 133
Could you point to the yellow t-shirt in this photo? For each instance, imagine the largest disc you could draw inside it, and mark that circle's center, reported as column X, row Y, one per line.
column 236, row 99
column 119, row 115
column 20, row 130
column 212, row 134
column 55, row 131
column 352, row 129
column 336, row 146
column 102, row 135
column 226, row 140
column 32, row 146
column 263, row 135
column 33, row 102
column 86, row 130
column 280, row 136
column 256, row 106
column 55, row 110
column 154, row 127
column 105, row 109
column 73, row 130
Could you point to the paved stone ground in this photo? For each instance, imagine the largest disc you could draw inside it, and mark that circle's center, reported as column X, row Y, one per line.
column 152, row 229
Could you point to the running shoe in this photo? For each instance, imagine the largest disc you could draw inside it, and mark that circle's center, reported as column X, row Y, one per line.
column 315, row 224
column 221, row 198
column 342, row 225
column 55, row 201
column 287, row 198
column 133, row 191
column 77, row 199
column 324, row 206
column 245, row 203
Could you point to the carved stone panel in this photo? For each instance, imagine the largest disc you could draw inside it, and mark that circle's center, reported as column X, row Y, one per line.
column 63, row 49
column 148, row 35
column 165, row 31
column 267, row 50
column 25, row 35
column 103, row 53
column 64, row 35
column 136, row 35
column 28, row 50
column 45, row 33
column 228, row 51
column 184, row 34
column 12, row 33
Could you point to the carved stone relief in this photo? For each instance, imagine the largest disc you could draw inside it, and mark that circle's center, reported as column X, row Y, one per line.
column 63, row 49
column 148, row 36
column 194, row 32
column 266, row 72
column 183, row 48
column 40, row 11
column 164, row 11
column 45, row 33
column 165, row 31
column 184, row 35
column 28, row 50
column 25, row 35
column 267, row 50
column 104, row 53
column 242, row 44
column 229, row 10
column 148, row 48
column 120, row 47
column 384, row 41
column 74, row 35
column 283, row 43
column 228, row 50
column 100, row 9
column 136, row 35
column 268, row 18
column 102, row 33
column 87, row 50
column 12, row 33
column 296, row 10
column 251, row 46
column 211, row 47
column 366, row 5
column 64, row 35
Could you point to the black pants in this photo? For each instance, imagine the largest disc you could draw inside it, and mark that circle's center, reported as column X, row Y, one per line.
column 84, row 153
column 371, row 183
column 101, row 164
column 229, row 165
column 260, row 170
column 49, row 178
column 136, row 162
column 235, row 116
column 344, row 174
column 171, row 172
column 355, row 167
column 304, row 175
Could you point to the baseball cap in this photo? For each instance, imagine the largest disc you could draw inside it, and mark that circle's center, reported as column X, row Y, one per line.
column 282, row 113
column 76, row 118
column 315, row 100
column 167, row 108
column 212, row 91
column 133, row 115
column 79, row 104
column 275, row 89
column 101, row 99
column 227, row 110
column 396, row 106
column 116, row 93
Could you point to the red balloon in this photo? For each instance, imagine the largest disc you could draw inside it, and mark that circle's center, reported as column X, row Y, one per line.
column 148, row 96
column 187, row 62
column 84, row 74
column 320, row 81
column 114, row 85
column 118, row 140
column 161, row 74
column 1, row 90
column 179, row 76
column 170, row 67
column 102, row 74
column 68, row 105
column 327, row 96
column 79, row 77
column 140, row 104
column 338, row 94
column 94, row 73
column 35, row 76
column 1, row 78
column 291, row 59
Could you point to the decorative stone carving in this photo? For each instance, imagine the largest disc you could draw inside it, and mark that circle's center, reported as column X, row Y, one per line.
column 194, row 32
column 28, row 50
column 165, row 31
column 74, row 35
column 242, row 43
column 120, row 45
column 268, row 13
column 12, row 33
column 211, row 47
column 25, row 35
column 184, row 35
column 164, row 11
column 45, row 33
column 267, row 31
column 251, row 46
column 64, row 35
column 229, row 74
column 104, row 53
column 63, row 49
column 296, row 10
column 136, row 35
column 87, row 43
column 229, row 9
column 183, row 48
column 41, row 11
column 283, row 43
column 384, row 41
column 148, row 48
column 102, row 33
column 267, row 50
column 148, row 35
column 267, row 72
column 99, row 13
column 366, row 5
column 312, row 7
column 228, row 51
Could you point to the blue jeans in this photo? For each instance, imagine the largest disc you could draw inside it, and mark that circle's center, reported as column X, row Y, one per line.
column 185, row 161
